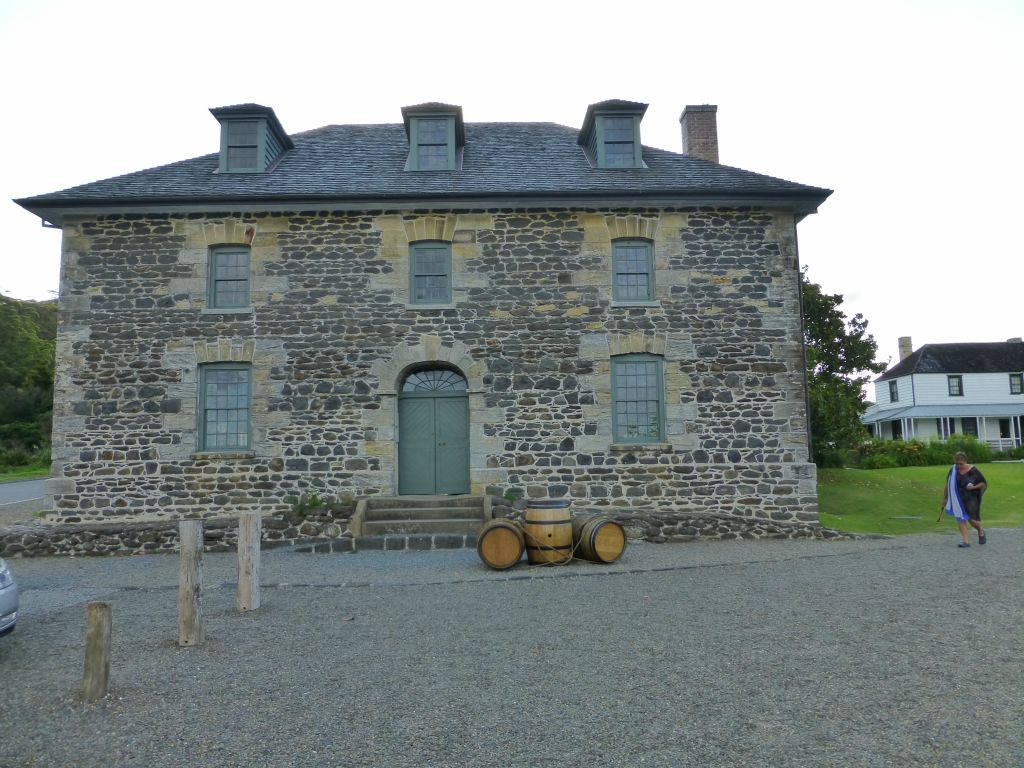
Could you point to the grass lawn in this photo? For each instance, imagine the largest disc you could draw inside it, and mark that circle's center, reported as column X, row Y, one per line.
column 875, row 500
column 30, row 472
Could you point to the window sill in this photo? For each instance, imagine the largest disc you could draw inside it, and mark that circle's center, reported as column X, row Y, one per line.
column 425, row 307
column 226, row 311
column 636, row 303
column 223, row 455
column 639, row 447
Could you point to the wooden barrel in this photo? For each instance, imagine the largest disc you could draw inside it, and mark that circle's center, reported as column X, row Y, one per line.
column 598, row 538
column 500, row 543
column 547, row 527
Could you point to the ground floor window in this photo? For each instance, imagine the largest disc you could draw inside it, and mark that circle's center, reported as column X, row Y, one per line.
column 224, row 400
column 969, row 425
column 638, row 399
column 897, row 430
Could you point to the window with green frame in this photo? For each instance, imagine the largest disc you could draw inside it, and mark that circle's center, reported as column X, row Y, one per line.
column 638, row 399
column 618, row 145
column 229, row 278
column 955, row 385
column 633, row 270
column 225, row 396
column 243, row 145
column 430, row 273
column 433, row 143
column 1016, row 383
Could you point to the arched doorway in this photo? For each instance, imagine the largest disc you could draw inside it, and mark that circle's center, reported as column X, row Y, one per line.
column 433, row 433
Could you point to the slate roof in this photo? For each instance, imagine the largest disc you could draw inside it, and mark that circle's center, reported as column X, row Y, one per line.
column 980, row 357
column 367, row 163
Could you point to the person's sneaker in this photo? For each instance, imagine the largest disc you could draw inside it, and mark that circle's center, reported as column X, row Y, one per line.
column 962, row 545
column 982, row 539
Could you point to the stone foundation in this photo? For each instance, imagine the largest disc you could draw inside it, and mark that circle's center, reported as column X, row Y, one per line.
column 330, row 532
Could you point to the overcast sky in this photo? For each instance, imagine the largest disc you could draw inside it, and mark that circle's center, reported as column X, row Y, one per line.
column 910, row 111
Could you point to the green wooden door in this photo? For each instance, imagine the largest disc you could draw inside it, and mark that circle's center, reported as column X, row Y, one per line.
column 433, row 434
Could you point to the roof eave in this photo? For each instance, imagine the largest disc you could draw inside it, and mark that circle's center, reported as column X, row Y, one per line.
column 801, row 202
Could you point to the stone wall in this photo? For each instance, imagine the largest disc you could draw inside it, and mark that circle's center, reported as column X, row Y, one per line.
column 532, row 326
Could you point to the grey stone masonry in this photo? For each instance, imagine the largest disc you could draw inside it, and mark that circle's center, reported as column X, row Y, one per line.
column 532, row 326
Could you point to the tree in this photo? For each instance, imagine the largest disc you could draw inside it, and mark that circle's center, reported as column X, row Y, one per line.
column 26, row 378
column 840, row 360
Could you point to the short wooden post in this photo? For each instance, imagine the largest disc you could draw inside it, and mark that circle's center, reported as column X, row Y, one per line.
column 96, row 677
column 190, row 582
column 247, row 598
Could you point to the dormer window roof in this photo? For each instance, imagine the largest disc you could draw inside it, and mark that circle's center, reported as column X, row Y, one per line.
column 251, row 138
column 436, row 136
column 610, row 135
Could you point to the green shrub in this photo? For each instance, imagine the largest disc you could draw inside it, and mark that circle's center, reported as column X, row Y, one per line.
column 879, row 461
column 889, row 454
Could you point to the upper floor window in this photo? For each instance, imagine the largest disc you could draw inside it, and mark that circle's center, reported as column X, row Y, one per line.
column 633, row 268
column 242, row 145
column 251, row 138
column 1016, row 383
column 610, row 134
column 638, row 399
column 224, row 404
column 894, row 391
column 436, row 136
column 229, row 278
column 955, row 385
column 430, row 272
column 619, row 147
column 433, row 143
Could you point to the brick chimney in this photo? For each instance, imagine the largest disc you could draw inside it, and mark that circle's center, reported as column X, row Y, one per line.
column 906, row 347
column 700, row 131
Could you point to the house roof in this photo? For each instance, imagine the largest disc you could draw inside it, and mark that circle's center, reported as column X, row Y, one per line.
column 978, row 357
column 1004, row 410
column 364, row 164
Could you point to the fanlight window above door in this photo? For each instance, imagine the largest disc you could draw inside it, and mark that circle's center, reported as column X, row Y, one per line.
column 437, row 380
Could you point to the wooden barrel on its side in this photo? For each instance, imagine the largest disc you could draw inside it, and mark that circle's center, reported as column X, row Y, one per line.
column 500, row 543
column 598, row 538
column 547, row 527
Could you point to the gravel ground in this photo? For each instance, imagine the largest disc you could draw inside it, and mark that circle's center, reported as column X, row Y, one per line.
column 770, row 653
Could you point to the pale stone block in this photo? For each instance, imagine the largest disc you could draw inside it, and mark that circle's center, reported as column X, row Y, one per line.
column 680, row 349
column 590, row 278
column 477, row 221
column 58, row 485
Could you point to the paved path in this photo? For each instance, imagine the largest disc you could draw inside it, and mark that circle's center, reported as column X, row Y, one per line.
column 896, row 652
column 22, row 490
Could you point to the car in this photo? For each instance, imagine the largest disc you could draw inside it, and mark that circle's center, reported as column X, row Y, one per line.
column 8, row 599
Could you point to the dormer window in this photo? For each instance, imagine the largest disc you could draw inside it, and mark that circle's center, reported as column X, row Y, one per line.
column 436, row 137
column 610, row 135
column 251, row 138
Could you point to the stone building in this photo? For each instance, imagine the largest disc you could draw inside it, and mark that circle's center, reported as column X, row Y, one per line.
column 433, row 307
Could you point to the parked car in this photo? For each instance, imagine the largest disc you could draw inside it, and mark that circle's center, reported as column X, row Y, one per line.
column 8, row 599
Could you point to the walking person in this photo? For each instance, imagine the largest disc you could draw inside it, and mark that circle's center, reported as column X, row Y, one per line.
column 962, row 497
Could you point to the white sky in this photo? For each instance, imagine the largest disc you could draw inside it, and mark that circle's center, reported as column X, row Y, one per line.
column 911, row 111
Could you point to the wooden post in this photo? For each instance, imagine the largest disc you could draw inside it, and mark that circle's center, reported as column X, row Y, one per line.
column 96, row 677
column 247, row 598
column 190, row 582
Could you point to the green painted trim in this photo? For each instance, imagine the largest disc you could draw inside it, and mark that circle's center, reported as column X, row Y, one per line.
column 633, row 243
column 599, row 128
column 201, row 425
column 433, row 245
column 621, row 439
column 261, row 145
column 211, row 276
column 414, row 128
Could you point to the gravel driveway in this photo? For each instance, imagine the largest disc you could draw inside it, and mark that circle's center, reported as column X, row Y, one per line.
column 770, row 653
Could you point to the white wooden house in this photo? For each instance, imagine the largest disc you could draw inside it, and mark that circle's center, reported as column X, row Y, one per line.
column 943, row 389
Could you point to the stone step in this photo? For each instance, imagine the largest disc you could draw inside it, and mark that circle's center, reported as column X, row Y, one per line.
column 406, row 527
column 424, row 513
column 420, row 541
column 422, row 502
